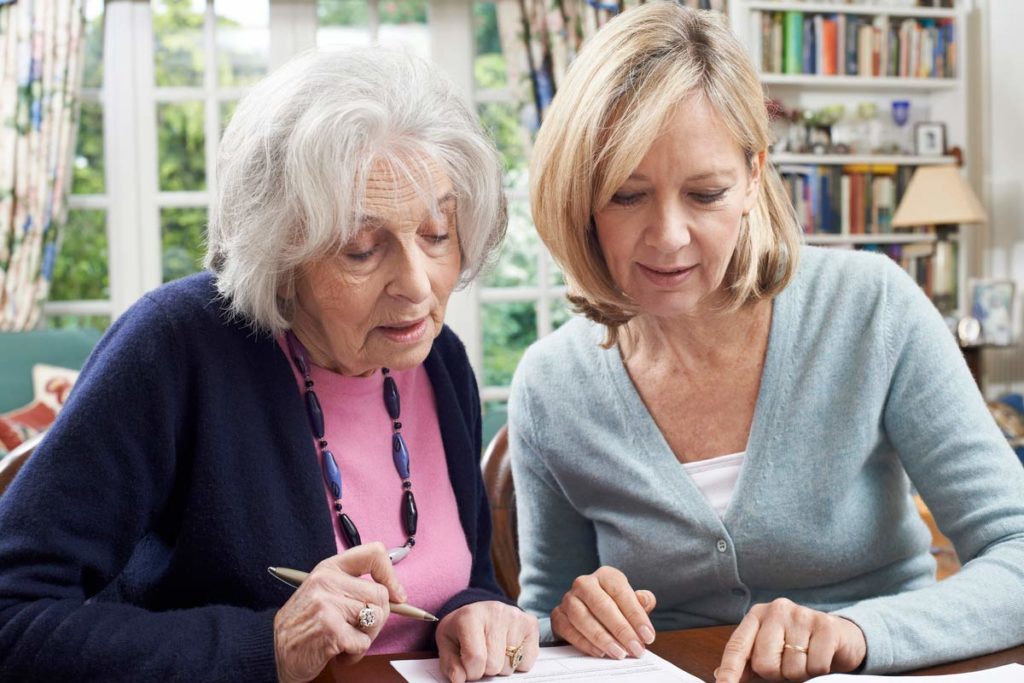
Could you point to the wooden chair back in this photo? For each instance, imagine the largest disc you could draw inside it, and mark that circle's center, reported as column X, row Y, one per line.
column 497, row 472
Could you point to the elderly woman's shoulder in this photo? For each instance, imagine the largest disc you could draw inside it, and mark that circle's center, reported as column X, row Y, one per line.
column 191, row 302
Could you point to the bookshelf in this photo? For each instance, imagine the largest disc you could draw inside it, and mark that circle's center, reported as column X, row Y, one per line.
column 818, row 56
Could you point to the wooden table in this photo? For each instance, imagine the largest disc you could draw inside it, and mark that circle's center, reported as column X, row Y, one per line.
column 698, row 651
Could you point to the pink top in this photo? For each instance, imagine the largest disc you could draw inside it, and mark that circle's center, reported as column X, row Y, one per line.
column 358, row 432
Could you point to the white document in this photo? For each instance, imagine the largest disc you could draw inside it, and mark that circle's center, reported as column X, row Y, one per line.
column 564, row 664
column 1010, row 673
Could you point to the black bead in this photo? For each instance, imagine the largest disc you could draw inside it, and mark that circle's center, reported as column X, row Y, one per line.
column 316, row 414
column 337, row 506
column 409, row 513
column 411, row 541
column 397, row 425
column 349, row 531
column 309, row 383
column 391, row 399
column 406, row 484
column 323, row 443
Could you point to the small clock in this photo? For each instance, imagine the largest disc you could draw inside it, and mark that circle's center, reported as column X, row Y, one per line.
column 968, row 331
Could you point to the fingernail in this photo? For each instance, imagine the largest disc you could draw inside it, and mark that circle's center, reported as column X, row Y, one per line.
column 647, row 633
column 636, row 649
column 616, row 652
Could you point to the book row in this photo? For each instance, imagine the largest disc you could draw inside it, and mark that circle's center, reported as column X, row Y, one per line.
column 856, row 199
column 795, row 42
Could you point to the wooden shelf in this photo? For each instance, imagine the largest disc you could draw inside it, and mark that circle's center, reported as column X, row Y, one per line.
column 873, row 159
column 886, row 238
column 871, row 10
column 864, row 83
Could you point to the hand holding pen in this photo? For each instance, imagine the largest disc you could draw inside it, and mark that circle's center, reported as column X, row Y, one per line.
column 295, row 578
column 334, row 614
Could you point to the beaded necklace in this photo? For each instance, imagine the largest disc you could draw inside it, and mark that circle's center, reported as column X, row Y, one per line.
column 329, row 466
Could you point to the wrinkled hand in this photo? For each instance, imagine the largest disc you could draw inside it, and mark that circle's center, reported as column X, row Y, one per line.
column 471, row 641
column 603, row 616
column 758, row 645
column 319, row 623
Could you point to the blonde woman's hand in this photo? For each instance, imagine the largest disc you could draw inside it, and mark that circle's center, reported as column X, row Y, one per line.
column 319, row 625
column 481, row 639
column 781, row 640
column 603, row 616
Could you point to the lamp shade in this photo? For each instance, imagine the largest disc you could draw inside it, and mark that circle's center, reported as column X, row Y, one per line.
column 938, row 195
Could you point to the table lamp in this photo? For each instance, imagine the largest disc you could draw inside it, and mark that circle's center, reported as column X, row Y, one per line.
column 939, row 196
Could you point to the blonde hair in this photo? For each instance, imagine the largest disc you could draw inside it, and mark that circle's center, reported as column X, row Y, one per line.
column 615, row 100
column 295, row 159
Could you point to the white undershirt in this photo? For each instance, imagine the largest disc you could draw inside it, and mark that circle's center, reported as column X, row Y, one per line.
column 716, row 478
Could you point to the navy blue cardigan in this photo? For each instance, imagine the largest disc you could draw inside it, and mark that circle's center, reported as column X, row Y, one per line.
column 135, row 542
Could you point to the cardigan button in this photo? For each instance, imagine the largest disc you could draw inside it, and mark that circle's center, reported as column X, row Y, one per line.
column 722, row 545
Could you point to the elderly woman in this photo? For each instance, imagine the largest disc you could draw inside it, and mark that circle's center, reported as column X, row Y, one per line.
column 301, row 405
column 741, row 445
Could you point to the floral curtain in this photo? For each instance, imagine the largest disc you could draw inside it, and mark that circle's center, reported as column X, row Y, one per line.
column 40, row 80
column 540, row 38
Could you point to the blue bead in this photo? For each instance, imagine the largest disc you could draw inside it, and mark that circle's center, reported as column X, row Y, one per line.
column 332, row 475
column 316, row 414
column 391, row 398
column 400, row 453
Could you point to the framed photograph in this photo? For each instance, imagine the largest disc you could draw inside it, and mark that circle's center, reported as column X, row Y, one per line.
column 930, row 139
column 992, row 305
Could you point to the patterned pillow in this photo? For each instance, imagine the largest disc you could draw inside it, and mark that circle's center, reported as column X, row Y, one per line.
column 51, row 386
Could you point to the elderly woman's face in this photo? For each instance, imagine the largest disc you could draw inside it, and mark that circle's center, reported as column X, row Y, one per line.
column 669, row 231
column 381, row 301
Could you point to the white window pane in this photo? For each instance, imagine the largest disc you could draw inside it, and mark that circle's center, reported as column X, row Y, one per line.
column 80, row 272
column 243, row 41
column 88, row 170
column 178, row 42
column 342, row 23
column 517, row 265
column 92, row 73
column 182, row 146
column 403, row 24
column 183, row 233
column 508, row 329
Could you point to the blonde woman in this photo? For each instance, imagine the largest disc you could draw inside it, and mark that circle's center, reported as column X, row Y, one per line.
column 732, row 434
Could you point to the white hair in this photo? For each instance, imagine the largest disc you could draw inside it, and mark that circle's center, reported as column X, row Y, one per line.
column 295, row 159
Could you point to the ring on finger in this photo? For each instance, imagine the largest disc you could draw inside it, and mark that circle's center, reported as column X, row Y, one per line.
column 802, row 649
column 367, row 617
column 515, row 655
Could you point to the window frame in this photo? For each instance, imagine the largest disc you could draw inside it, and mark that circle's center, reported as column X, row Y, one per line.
column 129, row 98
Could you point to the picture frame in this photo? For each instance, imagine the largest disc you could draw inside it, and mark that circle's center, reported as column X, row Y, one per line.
column 930, row 139
column 992, row 304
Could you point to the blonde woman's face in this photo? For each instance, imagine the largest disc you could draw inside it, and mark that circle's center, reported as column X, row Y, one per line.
column 670, row 230
column 380, row 302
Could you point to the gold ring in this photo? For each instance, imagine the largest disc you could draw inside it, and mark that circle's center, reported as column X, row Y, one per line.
column 515, row 655
column 795, row 648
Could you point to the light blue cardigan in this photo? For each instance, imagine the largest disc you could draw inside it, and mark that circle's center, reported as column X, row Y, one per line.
column 862, row 386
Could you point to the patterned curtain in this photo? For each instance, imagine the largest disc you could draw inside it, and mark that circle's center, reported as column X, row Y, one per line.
column 541, row 37
column 40, row 81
